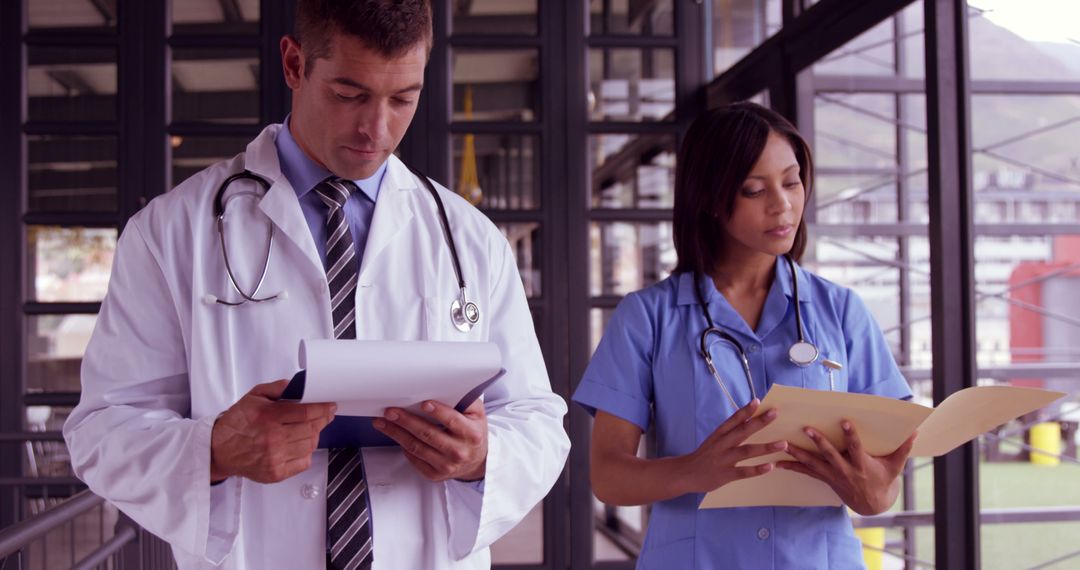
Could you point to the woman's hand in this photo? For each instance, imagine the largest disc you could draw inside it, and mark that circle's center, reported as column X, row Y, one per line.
column 866, row 483
column 712, row 464
column 620, row 477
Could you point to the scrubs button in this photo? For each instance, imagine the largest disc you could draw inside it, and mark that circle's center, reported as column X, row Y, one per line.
column 754, row 348
column 763, row 533
column 309, row 491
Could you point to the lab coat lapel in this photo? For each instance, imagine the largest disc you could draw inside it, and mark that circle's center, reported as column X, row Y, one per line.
column 283, row 209
column 393, row 212
column 280, row 203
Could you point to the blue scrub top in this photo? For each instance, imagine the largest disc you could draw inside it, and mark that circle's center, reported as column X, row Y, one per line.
column 648, row 368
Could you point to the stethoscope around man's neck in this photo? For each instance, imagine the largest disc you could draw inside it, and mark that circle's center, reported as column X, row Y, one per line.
column 802, row 353
column 464, row 314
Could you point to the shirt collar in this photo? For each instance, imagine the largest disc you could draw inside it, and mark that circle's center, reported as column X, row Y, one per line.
column 687, row 282
column 304, row 174
column 783, row 277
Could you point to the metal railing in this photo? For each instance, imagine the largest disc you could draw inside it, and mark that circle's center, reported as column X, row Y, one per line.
column 64, row 525
column 23, row 546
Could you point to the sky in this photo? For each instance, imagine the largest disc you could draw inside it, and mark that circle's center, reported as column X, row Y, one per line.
column 1036, row 20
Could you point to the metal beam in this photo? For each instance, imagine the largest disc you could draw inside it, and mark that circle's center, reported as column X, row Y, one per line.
column 827, row 83
column 12, row 153
column 107, row 9
column 908, row 229
column 230, row 11
column 822, row 28
column 574, row 273
column 988, row 516
column 1007, row 372
column 952, row 279
column 275, row 98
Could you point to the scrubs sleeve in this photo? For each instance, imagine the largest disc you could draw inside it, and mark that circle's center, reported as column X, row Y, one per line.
column 871, row 367
column 618, row 379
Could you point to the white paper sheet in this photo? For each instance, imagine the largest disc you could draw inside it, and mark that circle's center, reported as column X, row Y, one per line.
column 365, row 377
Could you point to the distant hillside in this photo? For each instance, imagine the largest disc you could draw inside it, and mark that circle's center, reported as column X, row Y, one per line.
column 1068, row 54
column 996, row 54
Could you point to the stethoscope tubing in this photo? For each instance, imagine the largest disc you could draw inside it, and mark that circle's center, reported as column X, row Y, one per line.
column 464, row 313
column 802, row 343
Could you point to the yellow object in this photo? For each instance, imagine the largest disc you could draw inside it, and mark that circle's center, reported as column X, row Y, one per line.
column 468, row 185
column 873, row 539
column 1046, row 444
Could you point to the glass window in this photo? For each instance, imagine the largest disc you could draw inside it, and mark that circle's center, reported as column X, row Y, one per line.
column 631, row 171
column 630, row 84
column 215, row 16
column 496, row 85
column 598, row 322
column 71, row 173
column 215, row 85
column 524, row 544
column 627, row 256
column 856, row 130
column 54, row 349
column 911, row 30
column 525, row 242
column 1023, row 156
column 869, row 202
column 871, row 54
column 68, row 264
column 624, row 17
column 495, row 17
column 71, row 14
column 1034, row 41
column 71, row 83
column 739, row 26
column 1027, row 329
column 496, row 171
column 190, row 154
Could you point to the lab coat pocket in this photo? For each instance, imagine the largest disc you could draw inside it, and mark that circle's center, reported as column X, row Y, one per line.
column 817, row 375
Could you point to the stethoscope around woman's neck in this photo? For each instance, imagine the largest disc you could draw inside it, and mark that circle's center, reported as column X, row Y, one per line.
column 802, row 353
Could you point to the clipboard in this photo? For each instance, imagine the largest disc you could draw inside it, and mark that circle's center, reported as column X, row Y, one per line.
column 358, row 431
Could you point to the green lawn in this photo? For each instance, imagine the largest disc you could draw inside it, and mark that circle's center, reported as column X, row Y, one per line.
column 1011, row 485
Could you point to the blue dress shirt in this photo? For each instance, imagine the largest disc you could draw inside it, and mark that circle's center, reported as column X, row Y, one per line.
column 648, row 369
column 303, row 174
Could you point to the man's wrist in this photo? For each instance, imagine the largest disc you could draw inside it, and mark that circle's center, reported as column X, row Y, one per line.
column 475, row 475
column 217, row 474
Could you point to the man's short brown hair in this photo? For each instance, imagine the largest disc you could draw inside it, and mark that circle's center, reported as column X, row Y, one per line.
column 390, row 27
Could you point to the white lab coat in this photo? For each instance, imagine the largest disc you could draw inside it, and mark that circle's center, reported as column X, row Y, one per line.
column 162, row 364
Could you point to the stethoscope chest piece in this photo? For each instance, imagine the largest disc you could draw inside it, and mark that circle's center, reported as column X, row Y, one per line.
column 803, row 353
column 464, row 315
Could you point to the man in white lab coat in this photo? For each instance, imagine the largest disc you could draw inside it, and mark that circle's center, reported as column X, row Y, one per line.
column 179, row 424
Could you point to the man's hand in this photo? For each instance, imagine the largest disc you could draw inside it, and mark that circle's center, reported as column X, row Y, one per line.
column 265, row 440
column 866, row 483
column 457, row 449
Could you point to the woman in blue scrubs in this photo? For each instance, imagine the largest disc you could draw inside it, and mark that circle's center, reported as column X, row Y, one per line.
column 744, row 174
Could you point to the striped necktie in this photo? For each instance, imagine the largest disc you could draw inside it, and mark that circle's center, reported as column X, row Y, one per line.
column 348, row 513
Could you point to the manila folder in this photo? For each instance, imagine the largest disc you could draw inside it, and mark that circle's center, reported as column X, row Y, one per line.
column 882, row 424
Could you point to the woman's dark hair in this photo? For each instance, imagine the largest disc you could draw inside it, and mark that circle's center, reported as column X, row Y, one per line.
column 717, row 155
column 390, row 27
